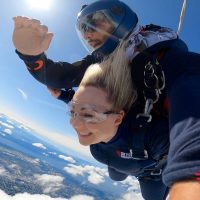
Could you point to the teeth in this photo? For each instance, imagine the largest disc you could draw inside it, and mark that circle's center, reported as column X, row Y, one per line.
column 84, row 134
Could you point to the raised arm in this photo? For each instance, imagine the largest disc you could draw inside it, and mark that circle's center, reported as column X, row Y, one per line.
column 31, row 39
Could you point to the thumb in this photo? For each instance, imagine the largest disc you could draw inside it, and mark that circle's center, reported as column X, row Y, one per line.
column 47, row 40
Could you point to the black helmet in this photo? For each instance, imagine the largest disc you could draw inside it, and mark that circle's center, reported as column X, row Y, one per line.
column 116, row 16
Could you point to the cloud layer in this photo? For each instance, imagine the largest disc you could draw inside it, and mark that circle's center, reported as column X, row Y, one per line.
column 27, row 196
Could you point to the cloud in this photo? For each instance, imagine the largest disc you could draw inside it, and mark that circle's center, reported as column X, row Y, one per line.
column 10, row 122
column 24, row 95
column 3, row 171
column 130, row 181
column 133, row 191
column 67, row 158
column 49, row 183
column 74, row 170
column 82, row 197
column 39, row 145
column 52, row 153
column 96, row 179
column 27, row 196
column 132, row 195
column 6, row 125
column 8, row 131
column 22, row 126
column 95, row 174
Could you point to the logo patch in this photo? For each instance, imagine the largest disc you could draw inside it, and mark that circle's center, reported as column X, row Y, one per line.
column 124, row 155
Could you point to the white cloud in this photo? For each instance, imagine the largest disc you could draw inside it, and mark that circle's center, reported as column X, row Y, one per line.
column 132, row 195
column 82, row 197
column 36, row 161
column 95, row 174
column 67, row 158
column 74, row 170
column 52, row 153
column 96, row 179
column 131, row 181
column 12, row 166
column 10, row 122
column 8, row 131
column 23, row 94
column 39, row 145
column 22, row 126
column 133, row 191
column 27, row 196
column 6, row 125
column 3, row 171
column 50, row 183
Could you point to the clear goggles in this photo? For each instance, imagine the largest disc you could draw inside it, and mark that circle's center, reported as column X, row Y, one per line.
column 87, row 113
column 94, row 23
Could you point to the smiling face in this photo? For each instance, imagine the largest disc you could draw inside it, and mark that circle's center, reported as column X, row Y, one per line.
column 88, row 132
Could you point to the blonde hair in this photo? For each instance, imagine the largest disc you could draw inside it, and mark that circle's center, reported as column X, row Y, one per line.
column 113, row 75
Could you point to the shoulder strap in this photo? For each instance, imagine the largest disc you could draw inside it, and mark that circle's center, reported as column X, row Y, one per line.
column 154, row 83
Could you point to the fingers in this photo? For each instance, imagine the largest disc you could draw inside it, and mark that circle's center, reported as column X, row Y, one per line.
column 47, row 40
column 54, row 92
column 20, row 22
column 42, row 29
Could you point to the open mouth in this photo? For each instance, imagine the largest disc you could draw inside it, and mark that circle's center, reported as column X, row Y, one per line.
column 84, row 135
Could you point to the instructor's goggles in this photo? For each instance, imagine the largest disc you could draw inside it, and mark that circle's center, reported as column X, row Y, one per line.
column 94, row 22
column 87, row 113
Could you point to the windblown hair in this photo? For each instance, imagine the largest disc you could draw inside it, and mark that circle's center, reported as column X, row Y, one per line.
column 113, row 75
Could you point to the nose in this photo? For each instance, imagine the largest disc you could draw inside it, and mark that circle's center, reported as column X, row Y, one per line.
column 88, row 35
column 76, row 122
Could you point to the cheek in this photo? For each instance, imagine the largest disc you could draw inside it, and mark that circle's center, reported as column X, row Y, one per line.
column 71, row 122
column 101, row 128
column 93, row 127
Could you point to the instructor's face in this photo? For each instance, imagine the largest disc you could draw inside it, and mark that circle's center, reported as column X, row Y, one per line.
column 97, row 37
column 93, row 131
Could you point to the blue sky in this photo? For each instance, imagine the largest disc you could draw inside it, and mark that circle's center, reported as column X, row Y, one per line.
column 25, row 98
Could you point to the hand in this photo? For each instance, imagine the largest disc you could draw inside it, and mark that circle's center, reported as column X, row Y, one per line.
column 185, row 190
column 30, row 37
column 54, row 92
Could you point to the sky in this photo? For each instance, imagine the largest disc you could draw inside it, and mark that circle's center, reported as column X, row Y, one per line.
column 28, row 100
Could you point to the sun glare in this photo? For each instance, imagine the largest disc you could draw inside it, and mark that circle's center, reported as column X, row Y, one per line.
column 40, row 4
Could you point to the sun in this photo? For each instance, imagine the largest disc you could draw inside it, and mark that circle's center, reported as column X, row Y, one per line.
column 40, row 4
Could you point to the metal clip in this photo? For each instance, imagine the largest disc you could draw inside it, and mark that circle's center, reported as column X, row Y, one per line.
column 139, row 158
column 156, row 172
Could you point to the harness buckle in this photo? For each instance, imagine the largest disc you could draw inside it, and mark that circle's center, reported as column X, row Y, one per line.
column 156, row 172
column 147, row 118
column 139, row 157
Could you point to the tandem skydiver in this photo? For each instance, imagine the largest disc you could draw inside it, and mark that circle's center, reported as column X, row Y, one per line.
column 163, row 70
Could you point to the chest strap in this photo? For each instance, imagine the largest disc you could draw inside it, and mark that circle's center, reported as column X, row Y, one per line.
column 156, row 171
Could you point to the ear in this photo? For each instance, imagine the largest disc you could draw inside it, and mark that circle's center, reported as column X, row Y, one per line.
column 119, row 118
